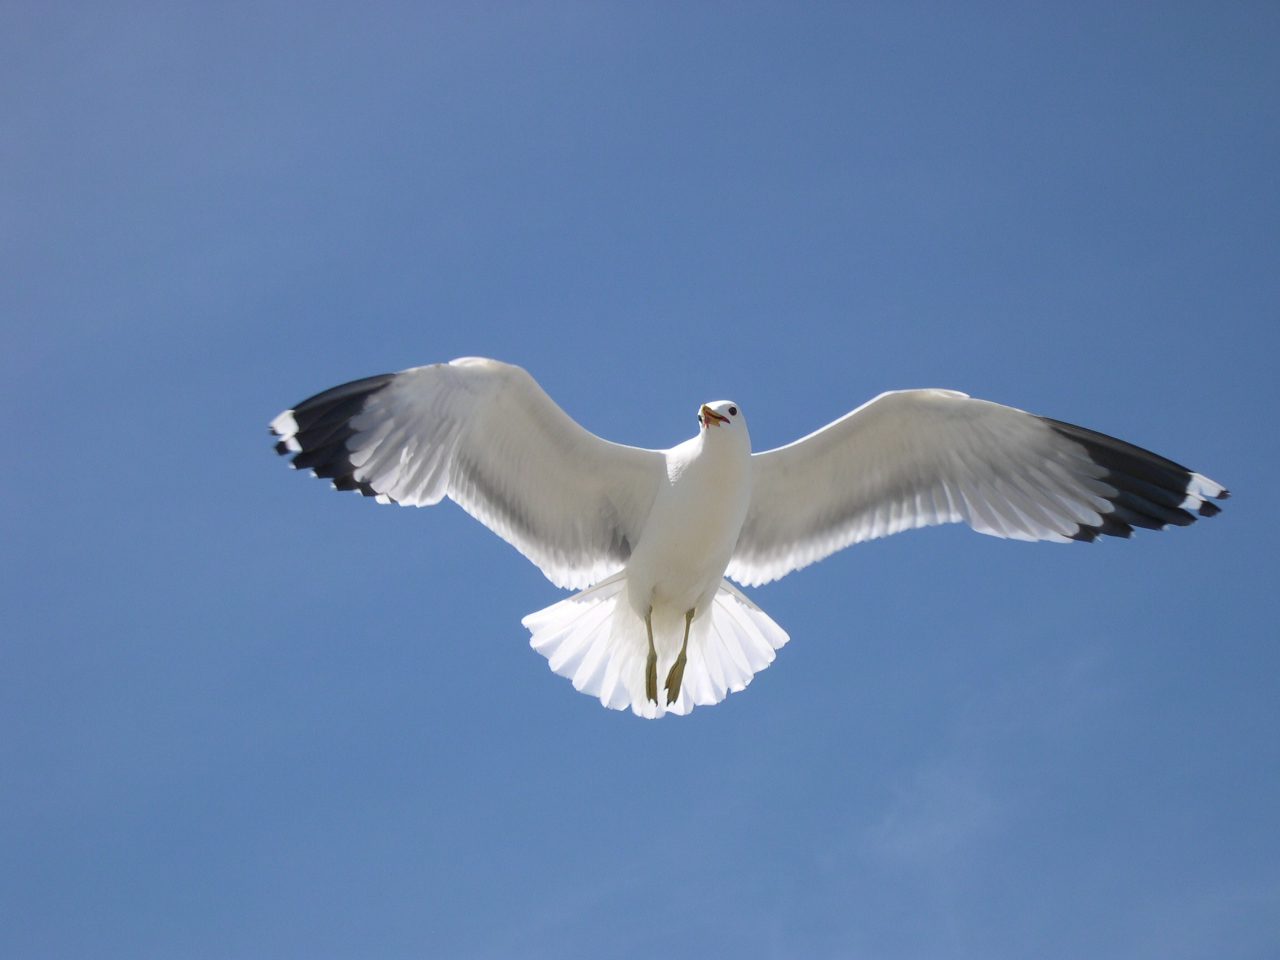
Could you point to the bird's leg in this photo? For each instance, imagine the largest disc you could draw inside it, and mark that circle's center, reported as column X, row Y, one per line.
column 676, row 676
column 651, row 664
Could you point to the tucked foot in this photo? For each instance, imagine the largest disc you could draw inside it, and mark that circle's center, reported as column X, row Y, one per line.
column 651, row 665
column 675, row 678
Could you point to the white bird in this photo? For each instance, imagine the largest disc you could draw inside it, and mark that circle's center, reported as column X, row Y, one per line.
column 648, row 536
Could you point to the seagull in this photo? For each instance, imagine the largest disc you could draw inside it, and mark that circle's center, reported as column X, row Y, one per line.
column 647, row 538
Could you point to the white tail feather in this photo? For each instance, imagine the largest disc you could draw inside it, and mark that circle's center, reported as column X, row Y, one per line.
column 596, row 640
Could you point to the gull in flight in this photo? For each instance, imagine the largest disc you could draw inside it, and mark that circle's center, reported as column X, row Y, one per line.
column 647, row 537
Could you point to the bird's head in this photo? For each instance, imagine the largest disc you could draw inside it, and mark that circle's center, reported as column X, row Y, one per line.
column 720, row 414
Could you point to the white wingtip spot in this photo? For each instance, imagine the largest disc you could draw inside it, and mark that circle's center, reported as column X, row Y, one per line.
column 1199, row 489
column 284, row 425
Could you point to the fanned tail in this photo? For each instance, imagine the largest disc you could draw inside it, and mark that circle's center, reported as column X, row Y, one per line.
column 579, row 636
column 595, row 640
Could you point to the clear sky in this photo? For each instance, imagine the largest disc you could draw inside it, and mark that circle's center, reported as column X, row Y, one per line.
column 244, row 716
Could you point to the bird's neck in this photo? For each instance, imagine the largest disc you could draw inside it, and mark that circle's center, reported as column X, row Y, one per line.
column 710, row 454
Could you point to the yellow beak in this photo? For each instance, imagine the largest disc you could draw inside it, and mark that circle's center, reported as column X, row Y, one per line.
column 711, row 418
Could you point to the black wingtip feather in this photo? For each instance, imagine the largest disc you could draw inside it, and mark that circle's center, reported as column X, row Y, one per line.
column 1150, row 489
column 323, row 427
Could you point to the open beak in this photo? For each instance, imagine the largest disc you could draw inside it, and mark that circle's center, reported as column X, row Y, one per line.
column 711, row 418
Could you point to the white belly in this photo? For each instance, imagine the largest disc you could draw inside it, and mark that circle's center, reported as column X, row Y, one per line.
column 691, row 533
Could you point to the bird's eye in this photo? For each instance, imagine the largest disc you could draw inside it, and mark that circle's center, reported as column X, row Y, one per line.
column 733, row 411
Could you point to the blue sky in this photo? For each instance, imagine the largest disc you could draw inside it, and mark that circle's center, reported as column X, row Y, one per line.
column 244, row 716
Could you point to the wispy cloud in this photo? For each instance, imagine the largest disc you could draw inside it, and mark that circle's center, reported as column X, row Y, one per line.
column 938, row 809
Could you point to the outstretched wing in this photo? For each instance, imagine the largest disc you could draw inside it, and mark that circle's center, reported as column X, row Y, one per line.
column 915, row 458
column 484, row 434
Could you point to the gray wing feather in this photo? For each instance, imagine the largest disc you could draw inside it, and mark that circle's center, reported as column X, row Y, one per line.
column 484, row 434
column 916, row 458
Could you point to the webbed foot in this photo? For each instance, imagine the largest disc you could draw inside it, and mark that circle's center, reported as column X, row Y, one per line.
column 651, row 664
column 675, row 678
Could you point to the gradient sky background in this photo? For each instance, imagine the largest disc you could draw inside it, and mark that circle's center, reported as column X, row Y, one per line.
column 244, row 716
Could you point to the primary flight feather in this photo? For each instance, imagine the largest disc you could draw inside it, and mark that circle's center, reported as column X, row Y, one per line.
column 648, row 536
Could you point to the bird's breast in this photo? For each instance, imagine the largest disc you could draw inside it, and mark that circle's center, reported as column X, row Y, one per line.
column 692, row 530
